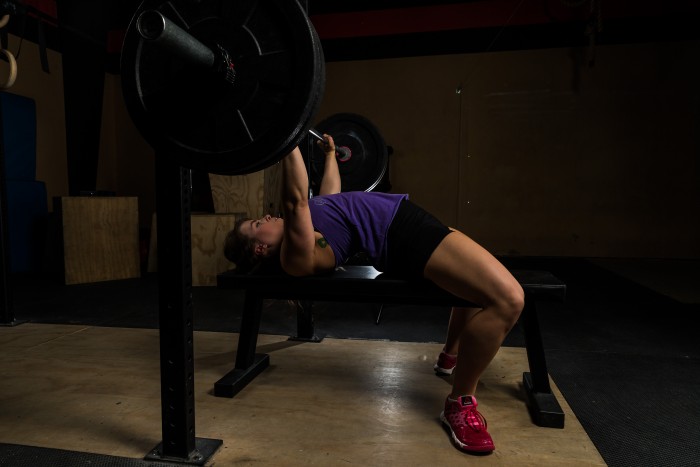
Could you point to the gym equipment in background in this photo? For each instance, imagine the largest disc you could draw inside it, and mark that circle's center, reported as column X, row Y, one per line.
column 363, row 156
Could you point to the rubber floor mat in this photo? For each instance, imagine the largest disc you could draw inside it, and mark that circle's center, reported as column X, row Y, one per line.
column 639, row 410
column 15, row 455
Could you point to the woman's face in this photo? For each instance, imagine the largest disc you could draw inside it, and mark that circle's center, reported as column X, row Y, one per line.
column 267, row 233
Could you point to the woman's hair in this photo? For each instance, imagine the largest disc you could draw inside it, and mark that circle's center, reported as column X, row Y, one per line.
column 240, row 250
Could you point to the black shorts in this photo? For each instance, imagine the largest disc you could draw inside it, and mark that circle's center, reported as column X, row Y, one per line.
column 413, row 236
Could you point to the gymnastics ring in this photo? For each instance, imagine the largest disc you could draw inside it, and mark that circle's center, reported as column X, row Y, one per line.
column 4, row 20
column 13, row 70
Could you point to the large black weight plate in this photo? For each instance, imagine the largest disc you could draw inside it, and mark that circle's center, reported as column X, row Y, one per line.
column 309, row 112
column 193, row 117
column 354, row 136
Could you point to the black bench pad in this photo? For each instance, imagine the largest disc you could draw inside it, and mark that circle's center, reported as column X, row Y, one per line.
column 364, row 284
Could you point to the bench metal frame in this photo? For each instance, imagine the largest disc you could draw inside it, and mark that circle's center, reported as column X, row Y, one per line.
column 363, row 284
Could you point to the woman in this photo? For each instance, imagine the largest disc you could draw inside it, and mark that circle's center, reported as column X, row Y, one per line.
column 323, row 232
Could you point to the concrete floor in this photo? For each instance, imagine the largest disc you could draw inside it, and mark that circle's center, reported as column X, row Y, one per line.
column 339, row 402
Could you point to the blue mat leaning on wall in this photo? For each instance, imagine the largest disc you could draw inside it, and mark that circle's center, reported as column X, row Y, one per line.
column 26, row 197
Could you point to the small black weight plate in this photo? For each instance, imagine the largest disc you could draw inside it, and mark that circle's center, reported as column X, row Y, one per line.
column 362, row 153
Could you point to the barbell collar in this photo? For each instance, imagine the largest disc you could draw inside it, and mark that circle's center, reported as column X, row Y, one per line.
column 154, row 27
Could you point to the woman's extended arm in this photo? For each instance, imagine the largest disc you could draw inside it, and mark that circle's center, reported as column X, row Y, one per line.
column 330, row 183
column 297, row 251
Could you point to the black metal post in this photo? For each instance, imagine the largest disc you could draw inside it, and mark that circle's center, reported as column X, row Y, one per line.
column 305, row 322
column 173, row 206
column 542, row 403
column 250, row 326
column 248, row 363
column 7, row 315
column 534, row 347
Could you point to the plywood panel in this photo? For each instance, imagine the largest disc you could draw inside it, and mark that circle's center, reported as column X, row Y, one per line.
column 238, row 193
column 344, row 402
column 273, row 190
column 100, row 238
column 208, row 237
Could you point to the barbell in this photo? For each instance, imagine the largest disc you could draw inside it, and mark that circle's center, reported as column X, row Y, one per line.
column 222, row 87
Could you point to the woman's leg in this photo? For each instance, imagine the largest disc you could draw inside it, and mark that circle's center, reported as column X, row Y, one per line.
column 462, row 267
column 458, row 318
column 447, row 359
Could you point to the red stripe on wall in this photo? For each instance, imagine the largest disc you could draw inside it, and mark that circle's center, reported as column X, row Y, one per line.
column 47, row 7
column 483, row 14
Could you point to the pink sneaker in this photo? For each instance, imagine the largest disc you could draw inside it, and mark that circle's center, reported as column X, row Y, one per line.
column 445, row 363
column 467, row 425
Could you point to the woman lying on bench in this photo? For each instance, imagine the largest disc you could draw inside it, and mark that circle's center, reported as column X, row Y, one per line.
column 321, row 233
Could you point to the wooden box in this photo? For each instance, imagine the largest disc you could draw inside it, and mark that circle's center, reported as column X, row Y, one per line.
column 100, row 238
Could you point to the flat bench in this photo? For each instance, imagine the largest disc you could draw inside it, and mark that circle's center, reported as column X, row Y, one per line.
column 364, row 284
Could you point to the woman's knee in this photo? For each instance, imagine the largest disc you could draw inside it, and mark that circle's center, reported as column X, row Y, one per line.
column 511, row 301
column 515, row 299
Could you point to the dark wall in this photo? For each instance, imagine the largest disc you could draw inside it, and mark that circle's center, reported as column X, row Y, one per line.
column 539, row 152
column 554, row 146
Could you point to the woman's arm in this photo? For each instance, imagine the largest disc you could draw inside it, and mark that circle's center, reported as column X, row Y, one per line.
column 297, row 251
column 330, row 183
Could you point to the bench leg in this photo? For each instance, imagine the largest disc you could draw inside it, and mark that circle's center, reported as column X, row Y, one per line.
column 543, row 405
column 305, row 322
column 248, row 363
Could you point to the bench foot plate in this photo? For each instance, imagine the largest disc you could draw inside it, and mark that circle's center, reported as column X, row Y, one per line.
column 544, row 407
column 204, row 449
column 238, row 378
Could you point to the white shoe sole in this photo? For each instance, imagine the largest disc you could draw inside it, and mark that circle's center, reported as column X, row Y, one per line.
column 463, row 446
column 443, row 371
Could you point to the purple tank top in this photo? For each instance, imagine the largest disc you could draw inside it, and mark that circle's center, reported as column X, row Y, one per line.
column 355, row 221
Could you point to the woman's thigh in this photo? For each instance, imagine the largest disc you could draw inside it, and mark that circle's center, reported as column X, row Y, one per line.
column 464, row 268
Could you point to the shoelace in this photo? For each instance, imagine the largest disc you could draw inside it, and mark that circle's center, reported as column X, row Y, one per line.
column 473, row 419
